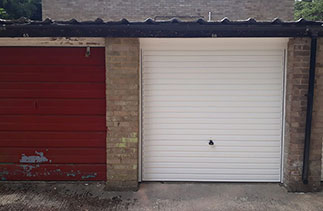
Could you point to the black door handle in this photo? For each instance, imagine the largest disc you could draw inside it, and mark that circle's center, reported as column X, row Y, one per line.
column 211, row 143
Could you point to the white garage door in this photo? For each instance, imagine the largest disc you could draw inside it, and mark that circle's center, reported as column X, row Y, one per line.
column 212, row 109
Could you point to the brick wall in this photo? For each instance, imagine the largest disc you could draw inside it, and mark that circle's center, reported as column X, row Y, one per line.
column 165, row 9
column 317, row 123
column 296, row 105
column 122, row 94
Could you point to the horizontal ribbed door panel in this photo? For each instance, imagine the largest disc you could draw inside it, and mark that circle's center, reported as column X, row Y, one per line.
column 226, row 90
column 52, row 114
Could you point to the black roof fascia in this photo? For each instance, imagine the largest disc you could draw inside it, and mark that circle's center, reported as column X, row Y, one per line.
column 150, row 28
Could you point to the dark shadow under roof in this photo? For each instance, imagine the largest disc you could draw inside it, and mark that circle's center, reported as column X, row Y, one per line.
column 150, row 28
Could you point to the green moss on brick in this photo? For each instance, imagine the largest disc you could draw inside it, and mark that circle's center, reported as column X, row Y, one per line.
column 129, row 140
column 121, row 145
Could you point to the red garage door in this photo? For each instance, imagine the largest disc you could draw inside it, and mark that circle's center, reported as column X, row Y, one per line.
column 52, row 114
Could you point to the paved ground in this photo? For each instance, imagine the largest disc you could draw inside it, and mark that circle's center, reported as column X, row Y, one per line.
column 156, row 196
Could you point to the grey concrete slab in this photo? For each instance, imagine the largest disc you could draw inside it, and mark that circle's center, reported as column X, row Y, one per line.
column 156, row 196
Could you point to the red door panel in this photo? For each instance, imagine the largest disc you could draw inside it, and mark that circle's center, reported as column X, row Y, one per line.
column 51, row 56
column 52, row 123
column 54, row 73
column 52, row 114
column 52, row 106
column 52, row 90
column 45, row 139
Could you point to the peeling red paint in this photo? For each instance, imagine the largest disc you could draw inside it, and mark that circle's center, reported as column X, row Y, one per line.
column 38, row 158
column 53, row 172
column 62, row 155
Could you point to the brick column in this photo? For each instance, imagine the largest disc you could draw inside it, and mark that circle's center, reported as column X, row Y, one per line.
column 317, row 122
column 296, row 105
column 122, row 95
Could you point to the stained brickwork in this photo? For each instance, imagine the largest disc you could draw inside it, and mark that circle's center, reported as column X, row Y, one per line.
column 296, row 104
column 122, row 94
column 164, row 9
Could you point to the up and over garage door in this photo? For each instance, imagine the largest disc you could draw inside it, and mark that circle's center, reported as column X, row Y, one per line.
column 52, row 114
column 212, row 109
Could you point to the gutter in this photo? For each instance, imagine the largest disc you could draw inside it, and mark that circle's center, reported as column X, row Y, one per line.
column 150, row 28
column 309, row 111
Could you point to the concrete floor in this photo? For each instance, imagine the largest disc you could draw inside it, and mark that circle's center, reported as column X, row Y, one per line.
column 156, row 196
